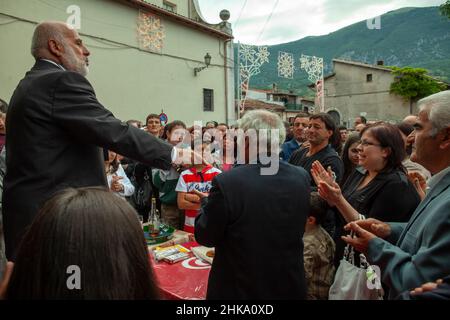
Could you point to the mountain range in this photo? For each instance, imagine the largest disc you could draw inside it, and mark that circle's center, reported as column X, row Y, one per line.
column 416, row 37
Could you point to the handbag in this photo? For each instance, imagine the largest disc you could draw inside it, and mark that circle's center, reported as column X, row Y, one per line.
column 353, row 282
column 141, row 199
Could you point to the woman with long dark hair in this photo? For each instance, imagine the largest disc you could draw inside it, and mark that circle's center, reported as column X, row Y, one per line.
column 350, row 156
column 90, row 231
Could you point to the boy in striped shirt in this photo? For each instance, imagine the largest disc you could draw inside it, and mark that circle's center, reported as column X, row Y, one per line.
column 198, row 177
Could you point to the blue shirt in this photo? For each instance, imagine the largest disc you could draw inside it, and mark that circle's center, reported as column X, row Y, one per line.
column 288, row 148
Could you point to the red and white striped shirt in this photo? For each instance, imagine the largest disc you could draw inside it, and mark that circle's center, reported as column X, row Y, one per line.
column 192, row 180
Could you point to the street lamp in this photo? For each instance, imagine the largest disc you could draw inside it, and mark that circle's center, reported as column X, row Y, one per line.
column 207, row 63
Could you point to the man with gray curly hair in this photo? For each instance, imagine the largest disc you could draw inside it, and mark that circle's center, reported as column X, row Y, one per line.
column 251, row 217
column 260, row 135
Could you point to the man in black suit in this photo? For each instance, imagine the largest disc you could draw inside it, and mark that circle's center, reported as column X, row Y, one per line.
column 256, row 222
column 55, row 130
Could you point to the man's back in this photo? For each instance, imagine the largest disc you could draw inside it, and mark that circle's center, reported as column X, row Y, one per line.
column 55, row 124
column 256, row 222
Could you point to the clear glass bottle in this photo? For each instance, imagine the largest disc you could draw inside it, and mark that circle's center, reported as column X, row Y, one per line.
column 154, row 221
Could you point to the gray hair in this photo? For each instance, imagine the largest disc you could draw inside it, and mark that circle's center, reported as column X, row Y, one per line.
column 437, row 107
column 270, row 122
column 44, row 32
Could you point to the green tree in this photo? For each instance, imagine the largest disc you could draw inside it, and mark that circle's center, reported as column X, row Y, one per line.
column 414, row 84
column 445, row 9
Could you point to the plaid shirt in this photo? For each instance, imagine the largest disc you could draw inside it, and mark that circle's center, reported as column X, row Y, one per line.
column 318, row 258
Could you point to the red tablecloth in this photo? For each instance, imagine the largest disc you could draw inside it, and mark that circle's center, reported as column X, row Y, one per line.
column 187, row 279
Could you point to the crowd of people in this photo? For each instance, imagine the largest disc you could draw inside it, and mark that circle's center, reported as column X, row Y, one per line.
column 76, row 182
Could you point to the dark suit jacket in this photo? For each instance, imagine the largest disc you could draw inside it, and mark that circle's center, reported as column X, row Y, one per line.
column 55, row 126
column 422, row 250
column 256, row 223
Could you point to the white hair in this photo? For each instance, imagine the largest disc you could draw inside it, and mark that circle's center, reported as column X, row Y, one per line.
column 437, row 107
column 263, row 120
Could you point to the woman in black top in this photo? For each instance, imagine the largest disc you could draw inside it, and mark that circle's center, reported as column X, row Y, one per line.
column 378, row 189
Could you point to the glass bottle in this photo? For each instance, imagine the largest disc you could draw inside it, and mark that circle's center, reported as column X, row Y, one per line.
column 154, row 222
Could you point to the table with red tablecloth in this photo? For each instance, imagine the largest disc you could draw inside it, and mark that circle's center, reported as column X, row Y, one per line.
column 187, row 279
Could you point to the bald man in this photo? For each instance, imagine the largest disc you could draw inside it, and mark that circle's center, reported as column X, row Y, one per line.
column 56, row 129
column 410, row 119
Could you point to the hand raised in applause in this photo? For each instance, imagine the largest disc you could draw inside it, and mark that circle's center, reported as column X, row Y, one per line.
column 419, row 183
column 5, row 280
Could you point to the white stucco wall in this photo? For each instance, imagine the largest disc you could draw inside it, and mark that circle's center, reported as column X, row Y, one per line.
column 130, row 82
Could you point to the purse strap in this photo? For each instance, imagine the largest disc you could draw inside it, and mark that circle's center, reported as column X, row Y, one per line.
column 349, row 251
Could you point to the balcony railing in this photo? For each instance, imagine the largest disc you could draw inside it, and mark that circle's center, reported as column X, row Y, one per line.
column 293, row 106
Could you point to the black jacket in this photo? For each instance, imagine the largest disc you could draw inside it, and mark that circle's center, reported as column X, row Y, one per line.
column 327, row 157
column 55, row 126
column 388, row 197
column 256, row 223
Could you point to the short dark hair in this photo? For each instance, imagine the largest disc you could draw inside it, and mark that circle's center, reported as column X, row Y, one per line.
column 318, row 208
column 90, row 228
column 176, row 123
column 213, row 122
column 335, row 139
column 342, row 127
column 389, row 136
column 363, row 119
column 325, row 118
column 152, row 116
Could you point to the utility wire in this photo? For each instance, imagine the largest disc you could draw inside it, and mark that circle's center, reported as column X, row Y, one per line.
column 240, row 13
column 268, row 19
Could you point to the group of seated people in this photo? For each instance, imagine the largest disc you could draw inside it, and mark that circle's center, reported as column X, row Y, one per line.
column 367, row 173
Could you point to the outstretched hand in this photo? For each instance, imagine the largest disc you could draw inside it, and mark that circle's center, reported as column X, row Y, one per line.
column 361, row 240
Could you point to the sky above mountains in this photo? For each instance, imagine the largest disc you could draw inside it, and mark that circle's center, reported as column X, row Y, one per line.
column 271, row 22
